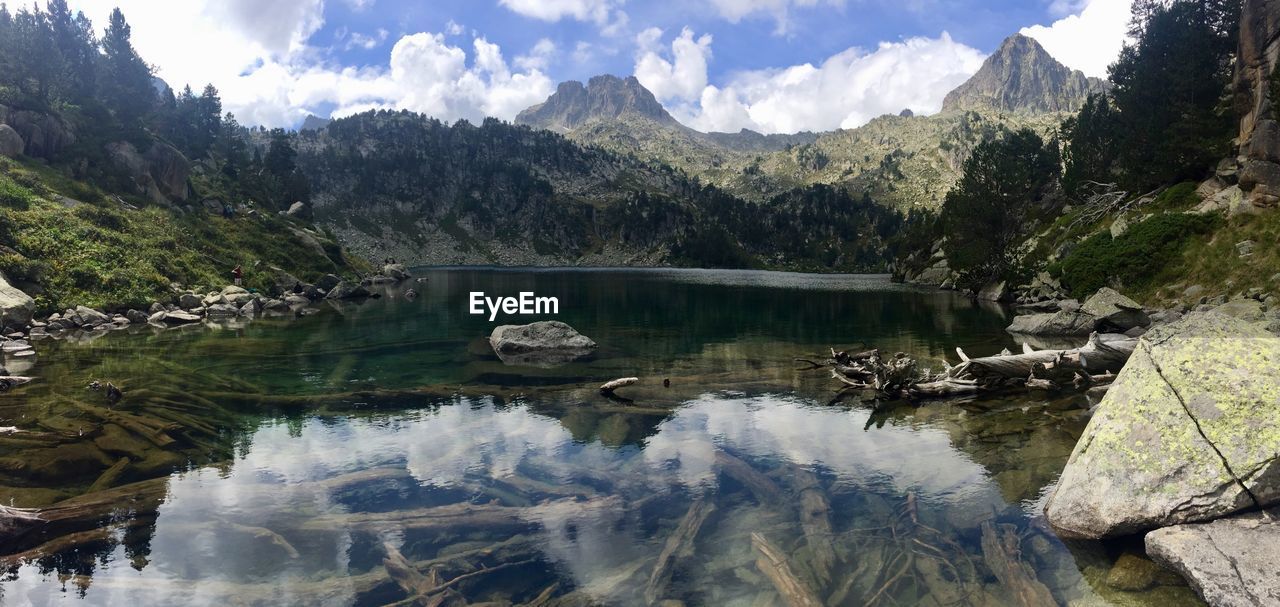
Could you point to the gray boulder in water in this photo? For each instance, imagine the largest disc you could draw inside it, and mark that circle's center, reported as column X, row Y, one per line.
column 16, row 307
column 1231, row 562
column 1062, row 322
column 541, row 343
column 1188, row 432
column 347, row 290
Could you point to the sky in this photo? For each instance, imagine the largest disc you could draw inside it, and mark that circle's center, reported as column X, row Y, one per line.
column 774, row 66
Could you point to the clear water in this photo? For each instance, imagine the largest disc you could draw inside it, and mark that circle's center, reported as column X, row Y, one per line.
column 315, row 447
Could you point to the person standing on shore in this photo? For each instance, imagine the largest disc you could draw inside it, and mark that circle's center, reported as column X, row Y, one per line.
column 238, row 273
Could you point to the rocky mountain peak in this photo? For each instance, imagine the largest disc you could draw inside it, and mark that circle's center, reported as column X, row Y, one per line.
column 1022, row 77
column 604, row 97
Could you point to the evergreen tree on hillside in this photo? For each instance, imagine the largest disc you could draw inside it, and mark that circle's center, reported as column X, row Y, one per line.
column 125, row 79
column 1089, row 144
column 1168, row 90
column 989, row 213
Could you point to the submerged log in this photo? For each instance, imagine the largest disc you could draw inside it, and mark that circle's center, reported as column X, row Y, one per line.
column 679, row 546
column 1001, row 552
column 764, row 489
column 772, row 562
column 815, row 522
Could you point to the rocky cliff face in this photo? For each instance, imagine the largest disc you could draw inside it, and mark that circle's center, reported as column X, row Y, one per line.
column 603, row 98
column 1257, row 86
column 1022, row 77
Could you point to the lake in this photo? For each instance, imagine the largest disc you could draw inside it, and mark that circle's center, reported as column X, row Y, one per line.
column 380, row 453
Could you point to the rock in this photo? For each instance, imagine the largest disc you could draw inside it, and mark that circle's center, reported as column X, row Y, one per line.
column 1069, row 305
column 1248, row 310
column 281, row 282
column 126, row 158
column 1115, row 312
column 1256, row 172
column 328, row 282
column 1193, row 292
column 1193, row 407
column 347, row 290
column 169, row 170
column 212, row 298
column 221, row 310
column 296, row 300
column 274, row 305
column 996, row 291
column 251, row 308
column 1224, row 200
column 136, row 316
column 547, row 342
column 236, row 296
column 11, row 143
column 1132, row 573
column 1245, row 248
column 1119, row 226
column 1056, row 323
column 45, row 134
column 188, row 301
column 175, row 318
column 90, row 318
column 16, row 307
column 395, row 271
column 297, row 209
column 1231, row 562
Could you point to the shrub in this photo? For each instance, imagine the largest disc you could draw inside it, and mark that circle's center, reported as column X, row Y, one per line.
column 1134, row 258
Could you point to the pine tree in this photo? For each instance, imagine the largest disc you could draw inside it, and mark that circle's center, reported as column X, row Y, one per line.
column 126, row 83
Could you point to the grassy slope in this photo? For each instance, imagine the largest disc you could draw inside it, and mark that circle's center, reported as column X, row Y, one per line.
column 107, row 253
column 1208, row 259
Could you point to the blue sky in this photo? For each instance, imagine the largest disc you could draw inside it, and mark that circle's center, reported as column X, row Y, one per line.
column 769, row 65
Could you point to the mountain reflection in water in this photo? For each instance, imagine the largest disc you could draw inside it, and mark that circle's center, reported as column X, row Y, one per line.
column 538, row 491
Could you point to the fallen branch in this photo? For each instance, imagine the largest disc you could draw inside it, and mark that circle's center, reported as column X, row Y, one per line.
column 621, row 382
column 679, row 546
column 772, row 562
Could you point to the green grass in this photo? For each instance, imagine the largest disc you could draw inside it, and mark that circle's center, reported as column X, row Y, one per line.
column 1135, row 259
column 104, row 254
column 1212, row 261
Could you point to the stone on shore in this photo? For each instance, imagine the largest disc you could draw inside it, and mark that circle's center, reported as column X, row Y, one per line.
column 547, row 342
column 1063, row 322
column 173, row 318
column 16, row 307
column 1188, row 432
column 1115, row 312
column 328, row 282
column 346, row 290
column 189, row 301
column 89, row 318
column 1230, row 562
column 395, row 271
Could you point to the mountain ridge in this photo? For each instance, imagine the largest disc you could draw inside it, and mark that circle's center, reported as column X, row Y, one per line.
column 1021, row 76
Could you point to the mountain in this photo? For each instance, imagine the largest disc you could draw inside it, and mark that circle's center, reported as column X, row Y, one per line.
column 1022, row 77
column 901, row 161
column 603, row 98
column 408, row 186
column 314, row 123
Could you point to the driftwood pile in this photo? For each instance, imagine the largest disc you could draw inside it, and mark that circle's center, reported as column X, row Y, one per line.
column 1090, row 366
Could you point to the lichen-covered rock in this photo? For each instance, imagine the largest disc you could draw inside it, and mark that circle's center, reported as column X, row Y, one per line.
column 1188, row 432
column 1115, row 312
column 1231, row 562
column 548, row 342
column 1248, row 310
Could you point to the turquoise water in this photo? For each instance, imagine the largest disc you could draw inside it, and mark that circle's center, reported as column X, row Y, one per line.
column 322, row 449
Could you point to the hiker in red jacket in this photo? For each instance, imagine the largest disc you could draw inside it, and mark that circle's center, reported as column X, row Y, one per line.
column 238, row 273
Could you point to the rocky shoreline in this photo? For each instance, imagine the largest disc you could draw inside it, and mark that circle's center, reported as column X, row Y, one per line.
column 287, row 296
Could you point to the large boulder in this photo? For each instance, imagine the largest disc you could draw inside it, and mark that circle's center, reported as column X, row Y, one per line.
column 1063, row 323
column 1188, row 432
column 169, row 169
column 281, row 282
column 1231, row 562
column 346, row 290
column 996, row 291
column 11, row 143
column 16, row 307
column 1115, row 312
column 43, row 134
column 548, row 342
column 1248, row 310
column 395, row 271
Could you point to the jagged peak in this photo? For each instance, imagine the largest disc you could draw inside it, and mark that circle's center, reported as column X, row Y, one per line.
column 604, row 97
column 1021, row 76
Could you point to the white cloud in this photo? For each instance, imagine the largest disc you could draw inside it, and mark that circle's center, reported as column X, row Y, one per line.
column 359, row 5
column 538, row 57
column 845, row 91
column 605, row 13
column 258, row 56
column 453, row 28
column 1089, row 40
column 684, row 76
column 780, row 10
